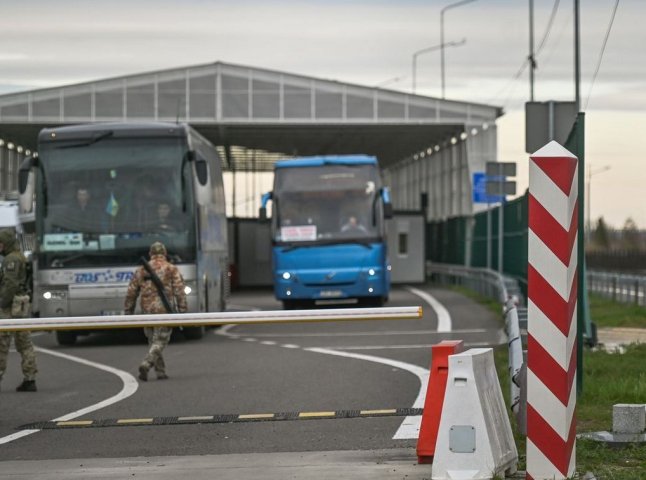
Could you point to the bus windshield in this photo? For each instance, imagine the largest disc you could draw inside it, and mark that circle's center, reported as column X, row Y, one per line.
column 323, row 204
column 105, row 202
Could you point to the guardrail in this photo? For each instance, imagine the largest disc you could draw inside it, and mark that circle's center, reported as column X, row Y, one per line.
column 208, row 319
column 492, row 284
column 618, row 287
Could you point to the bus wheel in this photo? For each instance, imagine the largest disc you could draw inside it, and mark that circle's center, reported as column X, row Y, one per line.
column 193, row 333
column 66, row 338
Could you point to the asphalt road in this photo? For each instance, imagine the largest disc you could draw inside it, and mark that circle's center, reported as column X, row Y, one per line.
column 289, row 370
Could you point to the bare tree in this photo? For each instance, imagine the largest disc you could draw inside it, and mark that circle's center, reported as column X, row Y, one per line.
column 630, row 237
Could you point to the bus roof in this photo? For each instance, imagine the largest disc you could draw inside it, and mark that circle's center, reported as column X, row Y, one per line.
column 327, row 160
column 118, row 129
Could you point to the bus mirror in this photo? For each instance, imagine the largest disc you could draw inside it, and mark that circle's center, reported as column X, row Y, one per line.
column 190, row 156
column 262, row 213
column 201, row 171
column 26, row 184
column 388, row 210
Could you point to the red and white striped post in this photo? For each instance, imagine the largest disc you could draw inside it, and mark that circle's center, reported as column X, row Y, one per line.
column 552, row 319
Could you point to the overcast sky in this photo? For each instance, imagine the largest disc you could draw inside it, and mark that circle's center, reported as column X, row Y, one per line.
column 369, row 42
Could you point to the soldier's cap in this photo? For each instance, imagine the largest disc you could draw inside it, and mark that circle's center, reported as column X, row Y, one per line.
column 157, row 248
column 7, row 237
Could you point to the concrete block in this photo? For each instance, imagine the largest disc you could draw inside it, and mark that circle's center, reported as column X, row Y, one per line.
column 474, row 440
column 628, row 418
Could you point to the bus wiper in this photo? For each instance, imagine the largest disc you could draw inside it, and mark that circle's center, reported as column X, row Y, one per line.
column 174, row 258
column 363, row 243
column 293, row 246
column 97, row 137
column 61, row 262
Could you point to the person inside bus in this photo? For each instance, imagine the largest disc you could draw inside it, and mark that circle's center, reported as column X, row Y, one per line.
column 352, row 225
column 84, row 213
column 142, row 211
column 165, row 221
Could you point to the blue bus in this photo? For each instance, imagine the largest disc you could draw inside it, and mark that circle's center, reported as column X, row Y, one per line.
column 328, row 231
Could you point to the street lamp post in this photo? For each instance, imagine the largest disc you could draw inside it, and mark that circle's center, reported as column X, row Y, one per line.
column 448, row 7
column 431, row 49
column 605, row 168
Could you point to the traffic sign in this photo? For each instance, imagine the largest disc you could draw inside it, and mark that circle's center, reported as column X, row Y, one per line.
column 500, row 187
column 480, row 193
column 506, row 169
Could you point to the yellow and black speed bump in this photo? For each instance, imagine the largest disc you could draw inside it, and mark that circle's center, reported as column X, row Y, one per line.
column 232, row 418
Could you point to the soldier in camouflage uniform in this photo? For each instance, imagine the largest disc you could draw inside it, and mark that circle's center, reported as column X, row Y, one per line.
column 13, row 277
column 151, row 303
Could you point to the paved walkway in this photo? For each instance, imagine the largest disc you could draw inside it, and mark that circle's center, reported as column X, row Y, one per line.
column 389, row 464
column 615, row 337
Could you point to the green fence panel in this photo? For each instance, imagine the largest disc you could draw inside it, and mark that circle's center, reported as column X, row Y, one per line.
column 446, row 240
column 514, row 235
column 515, row 240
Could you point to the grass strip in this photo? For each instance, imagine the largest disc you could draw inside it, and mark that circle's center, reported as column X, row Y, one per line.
column 607, row 314
column 608, row 379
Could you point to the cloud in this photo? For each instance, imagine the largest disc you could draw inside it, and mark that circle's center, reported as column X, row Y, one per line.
column 356, row 41
column 368, row 42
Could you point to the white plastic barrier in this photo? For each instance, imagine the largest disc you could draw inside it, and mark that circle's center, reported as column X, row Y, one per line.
column 475, row 440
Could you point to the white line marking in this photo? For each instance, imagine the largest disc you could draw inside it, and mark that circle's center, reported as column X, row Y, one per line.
column 224, row 331
column 443, row 316
column 244, row 308
column 410, row 426
column 16, row 436
column 406, row 347
column 268, row 342
column 290, row 345
column 386, row 333
column 130, row 386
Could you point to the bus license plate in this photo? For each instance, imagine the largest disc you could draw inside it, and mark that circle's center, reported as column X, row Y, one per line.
column 112, row 312
column 331, row 293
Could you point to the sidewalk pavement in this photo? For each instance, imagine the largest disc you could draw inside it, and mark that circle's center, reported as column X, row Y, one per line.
column 391, row 464
column 612, row 338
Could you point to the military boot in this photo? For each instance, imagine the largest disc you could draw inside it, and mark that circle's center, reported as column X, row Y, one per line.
column 143, row 372
column 162, row 376
column 27, row 386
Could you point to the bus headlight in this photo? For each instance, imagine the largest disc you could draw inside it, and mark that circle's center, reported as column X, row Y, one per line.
column 54, row 295
column 371, row 272
column 187, row 290
column 287, row 275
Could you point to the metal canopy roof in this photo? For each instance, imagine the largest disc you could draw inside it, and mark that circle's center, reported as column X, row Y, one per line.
column 256, row 116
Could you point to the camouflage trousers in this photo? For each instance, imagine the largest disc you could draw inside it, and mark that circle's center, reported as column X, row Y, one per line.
column 24, row 347
column 158, row 338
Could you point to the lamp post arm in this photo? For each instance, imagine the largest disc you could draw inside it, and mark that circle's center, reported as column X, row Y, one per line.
column 448, row 7
column 432, row 49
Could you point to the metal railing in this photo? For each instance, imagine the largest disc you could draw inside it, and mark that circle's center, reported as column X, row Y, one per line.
column 618, row 287
column 492, row 284
column 487, row 283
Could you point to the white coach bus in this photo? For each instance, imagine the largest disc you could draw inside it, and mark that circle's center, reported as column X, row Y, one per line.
column 102, row 194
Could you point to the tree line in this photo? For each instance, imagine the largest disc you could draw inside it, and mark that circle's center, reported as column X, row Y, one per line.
column 603, row 238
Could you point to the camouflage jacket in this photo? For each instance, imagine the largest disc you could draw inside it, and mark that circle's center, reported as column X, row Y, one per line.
column 13, row 276
column 141, row 284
